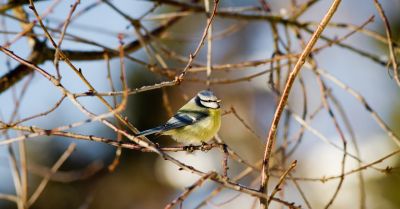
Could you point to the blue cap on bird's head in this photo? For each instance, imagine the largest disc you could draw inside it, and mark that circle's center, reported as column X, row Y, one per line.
column 206, row 98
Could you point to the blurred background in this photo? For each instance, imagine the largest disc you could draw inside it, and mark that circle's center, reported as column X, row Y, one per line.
column 144, row 180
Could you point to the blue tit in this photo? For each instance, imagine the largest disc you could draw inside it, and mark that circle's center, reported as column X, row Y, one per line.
column 196, row 122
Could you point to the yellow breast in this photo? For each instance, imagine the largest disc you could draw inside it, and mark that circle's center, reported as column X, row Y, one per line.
column 201, row 131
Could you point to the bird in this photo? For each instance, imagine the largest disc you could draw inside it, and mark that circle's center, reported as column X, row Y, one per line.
column 197, row 122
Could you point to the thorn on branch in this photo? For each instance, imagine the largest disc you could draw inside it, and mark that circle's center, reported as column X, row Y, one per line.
column 47, row 132
column 90, row 93
column 189, row 148
column 120, row 38
column 178, row 79
column 155, row 144
column 265, row 6
column 136, row 23
column 388, row 169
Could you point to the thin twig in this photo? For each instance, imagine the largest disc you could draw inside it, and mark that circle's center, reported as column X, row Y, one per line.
column 189, row 190
column 54, row 169
column 201, row 42
column 282, row 180
column 285, row 95
column 389, row 40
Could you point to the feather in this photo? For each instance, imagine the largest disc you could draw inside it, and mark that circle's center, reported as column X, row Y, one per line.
column 181, row 119
column 155, row 130
column 184, row 118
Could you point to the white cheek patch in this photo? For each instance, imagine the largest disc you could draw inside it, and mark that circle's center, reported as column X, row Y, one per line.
column 213, row 105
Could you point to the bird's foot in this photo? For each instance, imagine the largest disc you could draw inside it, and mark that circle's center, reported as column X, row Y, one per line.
column 189, row 148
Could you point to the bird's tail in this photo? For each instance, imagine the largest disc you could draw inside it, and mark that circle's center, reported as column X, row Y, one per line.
column 155, row 130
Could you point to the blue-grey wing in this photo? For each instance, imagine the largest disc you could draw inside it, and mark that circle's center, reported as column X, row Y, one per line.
column 155, row 130
column 181, row 119
column 184, row 118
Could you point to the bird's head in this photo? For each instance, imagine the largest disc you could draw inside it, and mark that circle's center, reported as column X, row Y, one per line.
column 207, row 99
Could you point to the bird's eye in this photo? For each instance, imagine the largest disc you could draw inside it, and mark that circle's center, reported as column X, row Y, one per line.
column 207, row 100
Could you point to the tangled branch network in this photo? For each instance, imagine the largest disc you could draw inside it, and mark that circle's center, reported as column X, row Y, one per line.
column 285, row 72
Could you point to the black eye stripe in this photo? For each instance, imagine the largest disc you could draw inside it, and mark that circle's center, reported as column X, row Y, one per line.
column 207, row 100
